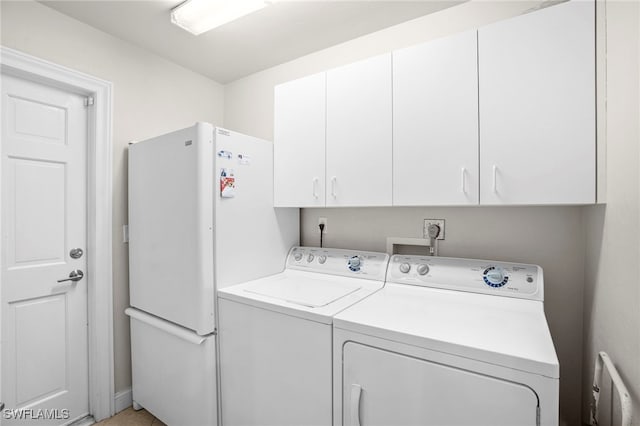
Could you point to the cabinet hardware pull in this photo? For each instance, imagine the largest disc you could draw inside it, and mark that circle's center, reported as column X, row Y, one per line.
column 333, row 187
column 315, row 188
column 495, row 186
column 354, row 411
column 462, row 180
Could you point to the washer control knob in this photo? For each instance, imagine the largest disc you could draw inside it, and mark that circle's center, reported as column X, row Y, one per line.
column 405, row 268
column 494, row 276
column 354, row 263
column 297, row 256
column 310, row 258
column 321, row 259
column 423, row 269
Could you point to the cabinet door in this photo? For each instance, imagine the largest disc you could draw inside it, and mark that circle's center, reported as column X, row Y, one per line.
column 299, row 142
column 381, row 388
column 359, row 133
column 435, row 122
column 537, row 107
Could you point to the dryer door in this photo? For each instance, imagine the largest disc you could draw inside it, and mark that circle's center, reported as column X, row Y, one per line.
column 387, row 388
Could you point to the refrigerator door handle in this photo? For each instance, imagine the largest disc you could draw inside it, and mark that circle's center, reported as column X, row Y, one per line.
column 166, row 326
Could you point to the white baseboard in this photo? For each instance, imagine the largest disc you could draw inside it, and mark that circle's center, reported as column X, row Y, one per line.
column 85, row 421
column 123, row 400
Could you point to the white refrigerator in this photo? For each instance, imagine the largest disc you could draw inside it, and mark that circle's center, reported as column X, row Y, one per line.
column 201, row 217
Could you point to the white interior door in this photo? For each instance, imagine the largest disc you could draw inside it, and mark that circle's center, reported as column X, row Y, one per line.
column 44, row 360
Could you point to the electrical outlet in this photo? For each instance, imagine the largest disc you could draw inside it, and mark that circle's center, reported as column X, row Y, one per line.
column 427, row 222
column 322, row 220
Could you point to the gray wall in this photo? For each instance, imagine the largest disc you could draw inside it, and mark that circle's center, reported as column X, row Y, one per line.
column 612, row 288
column 549, row 236
column 151, row 96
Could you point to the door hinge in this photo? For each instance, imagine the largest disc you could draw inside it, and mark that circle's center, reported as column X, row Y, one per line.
column 538, row 415
column 88, row 101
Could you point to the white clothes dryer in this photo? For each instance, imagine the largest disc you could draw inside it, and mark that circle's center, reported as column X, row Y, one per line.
column 276, row 336
column 447, row 342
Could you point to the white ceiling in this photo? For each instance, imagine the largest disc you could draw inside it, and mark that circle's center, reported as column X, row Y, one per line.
column 276, row 34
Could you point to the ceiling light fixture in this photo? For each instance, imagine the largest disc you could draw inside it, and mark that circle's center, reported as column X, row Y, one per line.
column 200, row 16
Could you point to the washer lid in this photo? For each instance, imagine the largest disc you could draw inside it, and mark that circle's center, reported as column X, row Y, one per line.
column 310, row 292
column 497, row 330
column 309, row 295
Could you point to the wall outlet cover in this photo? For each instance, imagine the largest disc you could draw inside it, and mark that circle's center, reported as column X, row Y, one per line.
column 439, row 222
column 323, row 220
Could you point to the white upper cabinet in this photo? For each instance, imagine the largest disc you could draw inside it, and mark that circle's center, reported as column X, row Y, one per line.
column 435, row 122
column 299, row 142
column 502, row 115
column 537, row 107
column 358, row 160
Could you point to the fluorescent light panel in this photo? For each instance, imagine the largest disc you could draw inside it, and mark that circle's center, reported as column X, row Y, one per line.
column 199, row 16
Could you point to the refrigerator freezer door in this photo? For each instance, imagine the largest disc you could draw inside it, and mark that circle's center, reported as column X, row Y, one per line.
column 173, row 368
column 252, row 238
column 171, row 227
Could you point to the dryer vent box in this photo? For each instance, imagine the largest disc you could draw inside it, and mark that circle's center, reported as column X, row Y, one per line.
column 410, row 246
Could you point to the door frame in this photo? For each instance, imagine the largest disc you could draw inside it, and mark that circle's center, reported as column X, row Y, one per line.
column 99, row 213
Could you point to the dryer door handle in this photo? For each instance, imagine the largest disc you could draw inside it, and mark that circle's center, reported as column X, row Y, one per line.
column 354, row 410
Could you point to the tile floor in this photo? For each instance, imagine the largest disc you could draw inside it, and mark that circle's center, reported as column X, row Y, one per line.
column 130, row 417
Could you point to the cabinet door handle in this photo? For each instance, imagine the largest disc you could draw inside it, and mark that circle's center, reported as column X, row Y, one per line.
column 463, row 187
column 333, row 187
column 354, row 408
column 495, row 184
column 315, row 188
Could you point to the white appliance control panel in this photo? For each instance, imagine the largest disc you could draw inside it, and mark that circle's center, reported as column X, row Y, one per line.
column 348, row 263
column 477, row 276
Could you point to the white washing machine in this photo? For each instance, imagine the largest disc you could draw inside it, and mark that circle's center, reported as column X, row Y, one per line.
column 276, row 336
column 447, row 342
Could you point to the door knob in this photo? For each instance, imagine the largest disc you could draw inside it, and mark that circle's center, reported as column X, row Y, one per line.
column 75, row 275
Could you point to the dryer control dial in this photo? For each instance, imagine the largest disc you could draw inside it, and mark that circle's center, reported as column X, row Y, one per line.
column 310, row 257
column 423, row 269
column 354, row 263
column 494, row 277
column 405, row 267
column 298, row 256
column 321, row 259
